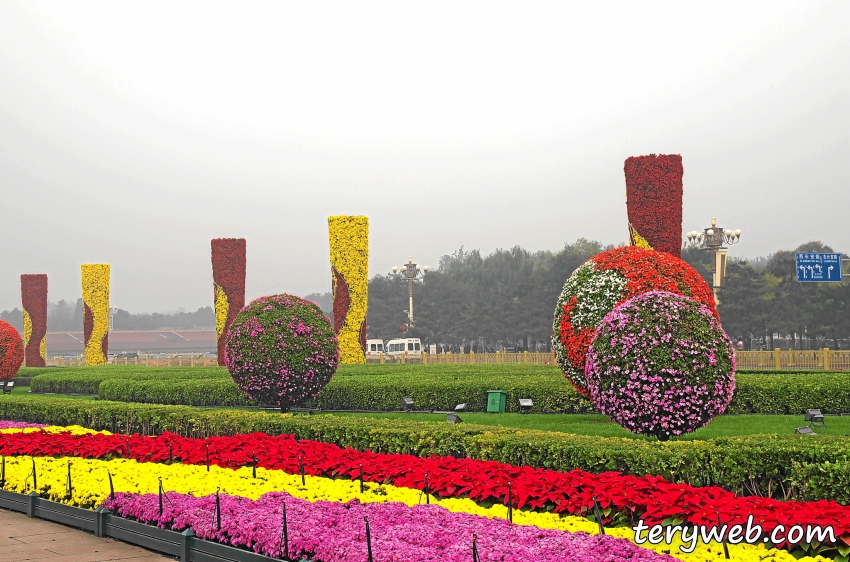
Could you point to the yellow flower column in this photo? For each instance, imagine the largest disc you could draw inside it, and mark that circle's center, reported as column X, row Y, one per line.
column 349, row 241
column 96, row 312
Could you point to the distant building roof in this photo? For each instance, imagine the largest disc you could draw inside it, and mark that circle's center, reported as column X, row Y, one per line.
column 146, row 341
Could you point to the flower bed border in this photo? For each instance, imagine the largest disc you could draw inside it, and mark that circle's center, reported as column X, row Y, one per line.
column 104, row 524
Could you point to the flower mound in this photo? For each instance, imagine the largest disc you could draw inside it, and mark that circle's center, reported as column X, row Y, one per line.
column 660, row 364
column 281, row 350
column 603, row 282
column 11, row 351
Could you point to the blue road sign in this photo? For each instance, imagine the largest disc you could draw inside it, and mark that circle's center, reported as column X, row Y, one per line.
column 818, row 268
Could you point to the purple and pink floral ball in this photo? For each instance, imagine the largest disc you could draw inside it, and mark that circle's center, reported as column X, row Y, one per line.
column 281, row 350
column 660, row 364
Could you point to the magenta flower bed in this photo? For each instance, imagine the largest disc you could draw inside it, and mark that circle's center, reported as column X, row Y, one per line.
column 18, row 425
column 336, row 532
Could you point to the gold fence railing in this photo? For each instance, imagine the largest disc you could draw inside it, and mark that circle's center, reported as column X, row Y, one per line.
column 778, row 359
column 794, row 359
column 147, row 361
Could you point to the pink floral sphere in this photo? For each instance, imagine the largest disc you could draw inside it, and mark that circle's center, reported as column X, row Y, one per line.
column 11, row 351
column 660, row 364
column 281, row 350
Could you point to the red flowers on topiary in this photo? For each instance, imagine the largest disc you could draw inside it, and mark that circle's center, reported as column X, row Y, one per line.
column 228, row 263
column 11, row 351
column 654, row 200
column 34, row 304
column 603, row 282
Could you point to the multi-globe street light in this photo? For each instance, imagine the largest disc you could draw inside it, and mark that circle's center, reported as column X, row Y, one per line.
column 713, row 239
column 411, row 272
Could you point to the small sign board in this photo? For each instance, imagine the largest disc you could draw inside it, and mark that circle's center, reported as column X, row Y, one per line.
column 818, row 268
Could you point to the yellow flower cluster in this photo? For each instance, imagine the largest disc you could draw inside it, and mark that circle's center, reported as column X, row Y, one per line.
column 90, row 486
column 349, row 241
column 222, row 307
column 72, row 429
column 96, row 297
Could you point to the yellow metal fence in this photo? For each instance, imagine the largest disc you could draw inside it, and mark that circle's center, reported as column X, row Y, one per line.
column 778, row 359
column 795, row 359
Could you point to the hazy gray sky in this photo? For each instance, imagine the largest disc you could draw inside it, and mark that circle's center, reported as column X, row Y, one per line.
column 134, row 132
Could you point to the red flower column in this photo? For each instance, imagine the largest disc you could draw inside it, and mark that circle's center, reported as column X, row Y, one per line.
column 34, row 305
column 228, row 263
column 654, row 201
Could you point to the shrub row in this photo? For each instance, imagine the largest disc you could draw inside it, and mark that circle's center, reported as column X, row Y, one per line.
column 788, row 466
column 759, row 394
column 432, row 387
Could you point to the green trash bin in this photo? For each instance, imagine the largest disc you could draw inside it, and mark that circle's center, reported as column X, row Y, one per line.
column 496, row 400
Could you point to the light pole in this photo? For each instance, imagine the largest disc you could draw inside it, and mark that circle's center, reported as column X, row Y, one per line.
column 411, row 272
column 713, row 240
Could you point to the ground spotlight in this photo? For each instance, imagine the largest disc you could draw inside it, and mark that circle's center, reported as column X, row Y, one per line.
column 805, row 431
column 525, row 405
column 453, row 418
column 407, row 403
column 814, row 417
column 460, row 407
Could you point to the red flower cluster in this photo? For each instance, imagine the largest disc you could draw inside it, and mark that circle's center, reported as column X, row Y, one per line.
column 228, row 263
column 11, row 351
column 342, row 300
column 576, row 344
column 650, row 498
column 34, row 302
column 654, row 200
column 648, row 270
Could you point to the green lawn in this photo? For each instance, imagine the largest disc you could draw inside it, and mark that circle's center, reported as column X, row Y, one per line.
column 600, row 425
column 24, row 390
column 723, row 426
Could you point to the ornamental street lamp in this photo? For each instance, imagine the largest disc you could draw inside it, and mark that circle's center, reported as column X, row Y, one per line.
column 713, row 239
column 411, row 272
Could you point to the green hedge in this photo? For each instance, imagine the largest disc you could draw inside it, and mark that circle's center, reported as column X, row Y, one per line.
column 432, row 387
column 788, row 466
column 86, row 380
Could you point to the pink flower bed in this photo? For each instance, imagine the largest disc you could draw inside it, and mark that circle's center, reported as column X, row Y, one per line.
column 336, row 532
column 18, row 425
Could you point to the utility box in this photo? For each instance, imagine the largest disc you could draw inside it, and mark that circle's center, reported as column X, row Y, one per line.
column 496, row 400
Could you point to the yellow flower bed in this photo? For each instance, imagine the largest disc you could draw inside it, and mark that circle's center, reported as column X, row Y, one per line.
column 96, row 297
column 349, row 241
column 72, row 429
column 90, row 485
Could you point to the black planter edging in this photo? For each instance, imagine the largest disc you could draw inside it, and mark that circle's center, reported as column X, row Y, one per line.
column 102, row 523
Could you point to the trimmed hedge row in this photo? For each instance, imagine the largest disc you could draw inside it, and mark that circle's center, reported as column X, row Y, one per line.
column 86, row 380
column 432, row 387
column 787, row 466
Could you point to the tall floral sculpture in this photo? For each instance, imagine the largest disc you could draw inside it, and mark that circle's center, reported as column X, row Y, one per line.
column 228, row 264
column 11, row 351
column 349, row 241
column 96, row 312
column 654, row 201
column 281, row 350
column 660, row 364
column 34, row 306
column 603, row 282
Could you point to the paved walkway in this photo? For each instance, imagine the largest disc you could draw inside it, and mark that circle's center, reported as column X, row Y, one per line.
column 22, row 538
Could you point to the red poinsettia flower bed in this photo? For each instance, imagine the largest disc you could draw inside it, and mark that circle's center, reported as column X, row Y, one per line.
column 650, row 498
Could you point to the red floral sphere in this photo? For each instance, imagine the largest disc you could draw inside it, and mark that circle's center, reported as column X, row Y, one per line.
column 11, row 351
column 605, row 281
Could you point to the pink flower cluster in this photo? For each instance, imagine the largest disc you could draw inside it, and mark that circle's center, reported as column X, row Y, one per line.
column 281, row 350
column 336, row 532
column 660, row 364
column 18, row 425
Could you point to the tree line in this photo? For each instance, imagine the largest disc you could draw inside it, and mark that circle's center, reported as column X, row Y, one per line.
column 506, row 299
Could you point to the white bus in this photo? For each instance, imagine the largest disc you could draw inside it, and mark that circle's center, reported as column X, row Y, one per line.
column 408, row 346
column 374, row 348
